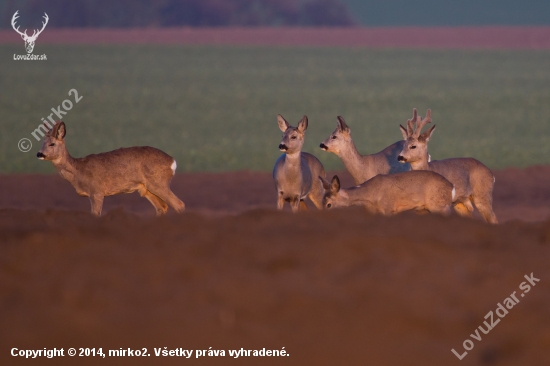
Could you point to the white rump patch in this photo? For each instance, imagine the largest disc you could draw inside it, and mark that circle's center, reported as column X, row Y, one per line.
column 454, row 193
column 174, row 166
column 429, row 158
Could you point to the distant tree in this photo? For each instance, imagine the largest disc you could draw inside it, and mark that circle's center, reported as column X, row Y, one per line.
column 173, row 13
column 327, row 13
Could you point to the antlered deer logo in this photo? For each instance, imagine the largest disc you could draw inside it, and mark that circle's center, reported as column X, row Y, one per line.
column 29, row 41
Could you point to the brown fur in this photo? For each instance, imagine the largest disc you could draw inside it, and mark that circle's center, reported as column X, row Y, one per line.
column 144, row 169
column 295, row 172
column 473, row 181
column 393, row 193
column 362, row 167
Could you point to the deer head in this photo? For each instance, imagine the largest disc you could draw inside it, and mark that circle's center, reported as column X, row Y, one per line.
column 53, row 146
column 339, row 140
column 293, row 137
column 415, row 149
column 29, row 41
column 334, row 197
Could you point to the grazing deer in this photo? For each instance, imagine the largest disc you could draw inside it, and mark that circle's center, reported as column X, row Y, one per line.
column 473, row 181
column 393, row 193
column 362, row 167
column 143, row 169
column 295, row 171
column 29, row 40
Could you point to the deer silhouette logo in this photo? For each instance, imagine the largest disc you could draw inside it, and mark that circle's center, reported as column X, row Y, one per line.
column 29, row 40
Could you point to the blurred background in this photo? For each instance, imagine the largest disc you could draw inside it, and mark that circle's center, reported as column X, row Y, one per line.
column 170, row 13
column 213, row 106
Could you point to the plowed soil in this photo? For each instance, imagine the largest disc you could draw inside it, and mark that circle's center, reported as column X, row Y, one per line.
column 333, row 288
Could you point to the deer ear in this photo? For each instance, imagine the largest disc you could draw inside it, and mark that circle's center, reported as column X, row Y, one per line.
column 283, row 124
column 302, row 125
column 60, row 131
column 404, row 132
column 335, row 184
column 342, row 125
column 326, row 183
column 427, row 134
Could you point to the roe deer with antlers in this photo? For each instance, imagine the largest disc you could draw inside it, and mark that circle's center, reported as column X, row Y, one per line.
column 473, row 181
column 295, row 171
column 143, row 169
column 29, row 40
column 362, row 167
column 393, row 193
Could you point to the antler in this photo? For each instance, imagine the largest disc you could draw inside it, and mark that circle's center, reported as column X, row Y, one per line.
column 421, row 123
column 35, row 34
column 410, row 122
column 13, row 19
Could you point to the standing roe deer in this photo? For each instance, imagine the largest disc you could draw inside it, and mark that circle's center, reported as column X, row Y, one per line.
column 393, row 193
column 362, row 167
column 295, row 171
column 473, row 181
column 143, row 169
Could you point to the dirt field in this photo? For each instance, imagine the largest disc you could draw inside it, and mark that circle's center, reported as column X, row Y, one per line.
column 333, row 288
column 410, row 37
column 520, row 194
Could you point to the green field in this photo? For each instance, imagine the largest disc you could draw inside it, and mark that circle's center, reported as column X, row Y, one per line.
column 214, row 108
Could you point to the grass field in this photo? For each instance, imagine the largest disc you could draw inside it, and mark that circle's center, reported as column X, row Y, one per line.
column 214, row 108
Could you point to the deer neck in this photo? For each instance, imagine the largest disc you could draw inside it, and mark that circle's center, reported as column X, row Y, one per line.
column 293, row 161
column 66, row 166
column 355, row 196
column 422, row 164
column 352, row 161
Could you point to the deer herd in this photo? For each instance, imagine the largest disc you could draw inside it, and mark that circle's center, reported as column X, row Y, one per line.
column 402, row 177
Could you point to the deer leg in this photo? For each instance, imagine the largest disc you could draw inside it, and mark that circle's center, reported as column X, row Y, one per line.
column 462, row 209
column 317, row 202
column 165, row 194
column 485, row 208
column 303, row 206
column 469, row 206
column 280, row 201
column 97, row 204
column 316, row 194
column 487, row 213
column 160, row 206
column 295, row 204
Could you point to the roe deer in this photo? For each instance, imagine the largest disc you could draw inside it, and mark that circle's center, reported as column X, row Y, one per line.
column 362, row 167
column 473, row 181
column 143, row 169
column 295, row 172
column 393, row 193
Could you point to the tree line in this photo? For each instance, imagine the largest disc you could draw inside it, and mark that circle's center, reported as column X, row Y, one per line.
column 174, row 13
